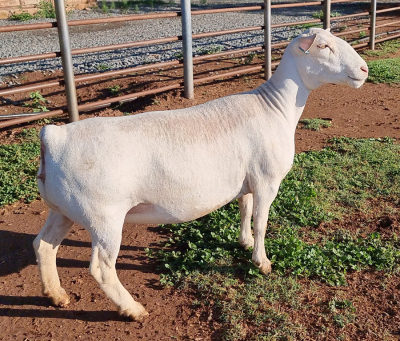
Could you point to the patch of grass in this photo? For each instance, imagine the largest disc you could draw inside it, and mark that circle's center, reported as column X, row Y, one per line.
column 384, row 71
column 315, row 123
column 250, row 303
column 362, row 34
column 343, row 311
column 385, row 48
column 18, row 168
column 209, row 49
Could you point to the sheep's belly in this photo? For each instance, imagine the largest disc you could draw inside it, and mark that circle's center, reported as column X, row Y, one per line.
column 154, row 214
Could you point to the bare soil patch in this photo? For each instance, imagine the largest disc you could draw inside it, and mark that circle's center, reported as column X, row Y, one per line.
column 372, row 111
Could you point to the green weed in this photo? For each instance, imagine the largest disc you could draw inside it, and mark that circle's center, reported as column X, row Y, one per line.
column 384, row 71
column 315, row 123
column 38, row 102
column 103, row 67
column 24, row 16
column 45, row 10
column 104, row 7
column 320, row 14
column 115, row 90
column 209, row 50
column 342, row 311
column 18, row 168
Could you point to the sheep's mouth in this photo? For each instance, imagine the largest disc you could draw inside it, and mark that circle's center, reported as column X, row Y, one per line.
column 356, row 79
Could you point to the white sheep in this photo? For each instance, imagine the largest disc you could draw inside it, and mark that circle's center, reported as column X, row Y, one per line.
column 175, row 166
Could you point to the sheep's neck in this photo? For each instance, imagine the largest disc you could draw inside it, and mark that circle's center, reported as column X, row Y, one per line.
column 285, row 93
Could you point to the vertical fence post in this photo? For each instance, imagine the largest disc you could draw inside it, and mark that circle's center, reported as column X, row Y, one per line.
column 66, row 58
column 372, row 29
column 187, row 48
column 267, row 39
column 327, row 14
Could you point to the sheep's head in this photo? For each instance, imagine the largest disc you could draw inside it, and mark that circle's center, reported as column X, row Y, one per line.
column 323, row 58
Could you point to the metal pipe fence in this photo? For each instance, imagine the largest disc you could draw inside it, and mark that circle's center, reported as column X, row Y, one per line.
column 189, row 81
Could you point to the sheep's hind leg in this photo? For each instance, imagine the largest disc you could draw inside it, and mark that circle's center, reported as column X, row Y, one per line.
column 106, row 243
column 246, row 210
column 46, row 245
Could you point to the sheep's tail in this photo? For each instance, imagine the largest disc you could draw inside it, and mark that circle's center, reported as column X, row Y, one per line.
column 41, row 176
column 48, row 137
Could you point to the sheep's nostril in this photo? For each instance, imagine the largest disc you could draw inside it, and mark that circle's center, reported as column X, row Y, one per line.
column 364, row 68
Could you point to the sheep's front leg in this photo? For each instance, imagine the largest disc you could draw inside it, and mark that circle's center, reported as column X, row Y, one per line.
column 263, row 199
column 106, row 240
column 46, row 245
column 246, row 211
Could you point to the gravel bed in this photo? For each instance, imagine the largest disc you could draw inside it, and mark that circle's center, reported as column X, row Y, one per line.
column 46, row 40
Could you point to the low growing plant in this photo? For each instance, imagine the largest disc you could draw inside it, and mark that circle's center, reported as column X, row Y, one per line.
column 45, row 9
column 315, row 123
column 320, row 14
column 23, row 16
column 37, row 103
column 384, row 71
column 18, row 169
column 315, row 190
column 115, row 90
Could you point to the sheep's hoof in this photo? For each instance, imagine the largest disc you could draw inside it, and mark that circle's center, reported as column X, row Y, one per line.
column 246, row 244
column 134, row 316
column 265, row 267
column 60, row 299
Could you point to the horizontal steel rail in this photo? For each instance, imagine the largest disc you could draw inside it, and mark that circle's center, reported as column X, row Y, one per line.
column 26, row 27
column 11, row 28
column 339, row 1
column 93, row 105
column 350, row 16
column 89, row 50
column 50, row 55
column 387, row 38
column 298, row 4
column 296, row 23
column 388, row 24
column 338, row 34
column 226, row 10
column 102, row 103
column 123, row 45
column 388, row 10
column 84, row 78
column 218, row 33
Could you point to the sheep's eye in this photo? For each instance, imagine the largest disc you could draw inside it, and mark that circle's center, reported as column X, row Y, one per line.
column 322, row 46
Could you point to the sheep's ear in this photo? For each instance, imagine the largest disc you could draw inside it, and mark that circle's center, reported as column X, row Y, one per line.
column 306, row 42
column 328, row 29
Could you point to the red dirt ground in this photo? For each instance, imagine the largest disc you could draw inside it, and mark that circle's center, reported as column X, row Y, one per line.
column 372, row 111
